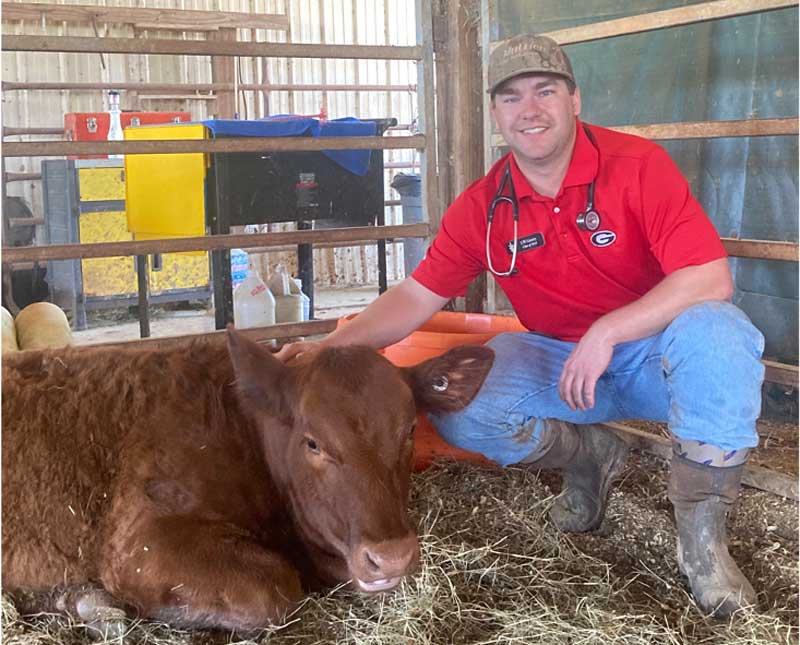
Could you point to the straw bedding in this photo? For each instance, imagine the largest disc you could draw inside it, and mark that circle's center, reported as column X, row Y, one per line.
column 495, row 571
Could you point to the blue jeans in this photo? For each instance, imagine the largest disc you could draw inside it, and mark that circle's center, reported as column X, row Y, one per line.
column 702, row 375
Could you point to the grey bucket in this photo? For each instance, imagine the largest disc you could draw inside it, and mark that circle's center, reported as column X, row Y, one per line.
column 410, row 188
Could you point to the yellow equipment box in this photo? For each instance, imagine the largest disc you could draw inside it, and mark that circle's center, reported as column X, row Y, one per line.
column 104, row 217
column 165, row 194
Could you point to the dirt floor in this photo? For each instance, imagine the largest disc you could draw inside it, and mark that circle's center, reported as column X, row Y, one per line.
column 495, row 570
column 113, row 325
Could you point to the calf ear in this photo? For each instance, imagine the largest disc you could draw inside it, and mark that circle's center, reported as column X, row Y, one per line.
column 260, row 377
column 449, row 382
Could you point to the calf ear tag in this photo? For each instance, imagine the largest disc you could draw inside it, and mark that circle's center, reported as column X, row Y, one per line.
column 441, row 384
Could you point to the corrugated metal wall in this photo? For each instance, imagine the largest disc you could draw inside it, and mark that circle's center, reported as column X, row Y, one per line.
column 738, row 68
column 363, row 22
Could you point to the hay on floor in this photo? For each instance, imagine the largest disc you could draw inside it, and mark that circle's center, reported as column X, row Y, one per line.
column 496, row 571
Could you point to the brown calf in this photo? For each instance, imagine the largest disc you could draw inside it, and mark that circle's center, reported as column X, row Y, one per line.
column 210, row 486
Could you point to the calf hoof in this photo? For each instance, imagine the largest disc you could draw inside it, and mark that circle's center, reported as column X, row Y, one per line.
column 106, row 624
column 97, row 610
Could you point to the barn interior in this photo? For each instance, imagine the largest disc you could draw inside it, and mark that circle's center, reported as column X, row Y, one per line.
column 158, row 154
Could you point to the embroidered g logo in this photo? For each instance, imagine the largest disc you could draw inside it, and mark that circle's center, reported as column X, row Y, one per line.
column 603, row 238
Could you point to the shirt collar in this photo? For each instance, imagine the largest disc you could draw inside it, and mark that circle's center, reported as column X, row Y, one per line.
column 581, row 171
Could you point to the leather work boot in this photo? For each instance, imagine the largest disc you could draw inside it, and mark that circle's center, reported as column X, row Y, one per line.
column 701, row 495
column 589, row 458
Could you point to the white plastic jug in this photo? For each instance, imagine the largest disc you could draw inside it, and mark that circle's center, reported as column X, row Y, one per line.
column 279, row 281
column 296, row 287
column 253, row 303
column 288, row 308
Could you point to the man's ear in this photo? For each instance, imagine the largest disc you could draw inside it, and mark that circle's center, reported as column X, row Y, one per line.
column 449, row 382
column 261, row 379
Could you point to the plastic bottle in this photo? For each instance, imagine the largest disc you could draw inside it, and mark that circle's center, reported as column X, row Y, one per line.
column 115, row 123
column 279, row 281
column 253, row 303
column 239, row 264
column 296, row 287
column 288, row 308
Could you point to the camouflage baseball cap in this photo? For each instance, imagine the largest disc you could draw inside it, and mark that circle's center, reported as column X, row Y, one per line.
column 527, row 54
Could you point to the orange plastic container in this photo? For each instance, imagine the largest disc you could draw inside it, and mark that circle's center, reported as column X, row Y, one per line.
column 445, row 330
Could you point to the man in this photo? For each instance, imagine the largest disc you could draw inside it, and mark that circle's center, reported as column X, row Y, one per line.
column 624, row 284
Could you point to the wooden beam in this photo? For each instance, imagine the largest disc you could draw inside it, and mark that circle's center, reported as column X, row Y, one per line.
column 88, row 45
column 9, row 86
column 345, row 236
column 702, row 129
column 22, row 176
column 16, row 222
column 753, row 476
column 781, row 373
column 713, row 129
column 761, row 249
column 183, row 19
column 258, row 334
column 223, row 144
column 17, row 132
column 692, row 14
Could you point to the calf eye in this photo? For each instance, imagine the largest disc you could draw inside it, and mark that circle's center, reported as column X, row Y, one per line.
column 412, row 428
column 441, row 384
column 312, row 446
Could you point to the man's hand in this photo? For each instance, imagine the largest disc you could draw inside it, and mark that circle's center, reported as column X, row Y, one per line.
column 290, row 350
column 584, row 366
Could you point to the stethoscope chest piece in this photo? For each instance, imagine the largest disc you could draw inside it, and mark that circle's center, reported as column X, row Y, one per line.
column 588, row 220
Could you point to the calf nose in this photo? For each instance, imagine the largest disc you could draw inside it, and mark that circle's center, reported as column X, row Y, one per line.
column 378, row 566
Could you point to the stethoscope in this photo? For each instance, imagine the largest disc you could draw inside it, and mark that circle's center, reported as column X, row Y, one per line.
column 587, row 220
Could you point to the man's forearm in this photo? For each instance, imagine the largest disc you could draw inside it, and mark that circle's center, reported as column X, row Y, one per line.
column 390, row 318
column 652, row 312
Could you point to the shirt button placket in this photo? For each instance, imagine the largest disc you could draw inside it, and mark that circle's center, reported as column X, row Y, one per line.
column 560, row 228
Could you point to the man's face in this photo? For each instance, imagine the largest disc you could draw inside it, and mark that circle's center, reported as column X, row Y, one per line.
column 536, row 116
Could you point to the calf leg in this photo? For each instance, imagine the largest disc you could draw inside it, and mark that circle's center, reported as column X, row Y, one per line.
column 198, row 573
column 99, row 612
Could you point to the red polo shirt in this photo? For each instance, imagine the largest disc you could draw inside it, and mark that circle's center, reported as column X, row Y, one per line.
column 650, row 226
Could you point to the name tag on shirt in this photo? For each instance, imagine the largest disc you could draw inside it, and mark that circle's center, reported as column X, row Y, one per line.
column 528, row 243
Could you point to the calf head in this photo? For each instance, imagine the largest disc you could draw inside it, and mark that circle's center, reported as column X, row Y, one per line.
column 337, row 428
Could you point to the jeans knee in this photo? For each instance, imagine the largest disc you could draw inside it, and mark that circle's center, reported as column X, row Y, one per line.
column 505, row 441
column 716, row 329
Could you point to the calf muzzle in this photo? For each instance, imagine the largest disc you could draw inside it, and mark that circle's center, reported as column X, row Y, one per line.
column 379, row 566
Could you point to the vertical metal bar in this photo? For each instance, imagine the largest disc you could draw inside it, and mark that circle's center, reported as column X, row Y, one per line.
column 305, row 267
column 142, row 285
column 218, row 188
column 427, row 117
column 383, row 284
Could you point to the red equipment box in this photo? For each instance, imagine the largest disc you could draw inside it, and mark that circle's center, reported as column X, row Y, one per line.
column 93, row 126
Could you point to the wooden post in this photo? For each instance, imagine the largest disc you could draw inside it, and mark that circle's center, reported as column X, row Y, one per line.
column 223, row 71
column 427, row 115
column 465, row 113
column 487, row 11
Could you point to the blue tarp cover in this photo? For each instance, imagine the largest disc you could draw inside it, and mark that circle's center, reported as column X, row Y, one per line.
column 355, row 161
